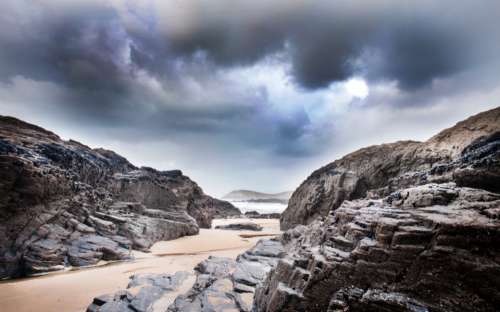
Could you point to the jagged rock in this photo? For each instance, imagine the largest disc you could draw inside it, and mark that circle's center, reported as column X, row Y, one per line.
column 433, row 247
column 63, row 203
column 223, row 284
column 248, row 226
column 144, row 294
column 467, row 154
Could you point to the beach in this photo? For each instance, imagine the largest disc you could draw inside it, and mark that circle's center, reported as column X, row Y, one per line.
column 73, row 290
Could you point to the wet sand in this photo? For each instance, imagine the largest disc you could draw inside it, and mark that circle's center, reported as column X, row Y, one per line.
column 72, row 291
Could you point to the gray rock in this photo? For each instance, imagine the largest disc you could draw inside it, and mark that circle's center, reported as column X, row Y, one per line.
column 148, row 289
column 467, row 154
column 245, row 226
column 256, row 215
column 225, row 284
column 63, row 203
column 432, row 247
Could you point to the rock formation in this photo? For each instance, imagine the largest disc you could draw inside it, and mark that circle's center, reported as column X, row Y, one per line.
column 406, row 226
column 466, row 154
column 399, row 227
column 145, row 292
column 63, row 203
column 434, row 247
column 223, row 284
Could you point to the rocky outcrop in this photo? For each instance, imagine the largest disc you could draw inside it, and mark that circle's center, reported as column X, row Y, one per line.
column 467, row 154
column 434, row 247
column 248, row 226
column 223, row 284
column 144, row 293
column 406, row 226
column 63, row 203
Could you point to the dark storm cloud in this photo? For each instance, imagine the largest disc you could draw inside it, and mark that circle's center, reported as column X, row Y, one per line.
column 159, row 68
column 330, row 41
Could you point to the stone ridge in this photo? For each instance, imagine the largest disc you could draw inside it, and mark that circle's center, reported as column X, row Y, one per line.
column 65, row 204
column 469, row 146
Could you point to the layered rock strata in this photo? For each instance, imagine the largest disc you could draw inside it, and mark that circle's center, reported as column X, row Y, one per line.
column 65, row 204
column 467, row 154
column 434, row 247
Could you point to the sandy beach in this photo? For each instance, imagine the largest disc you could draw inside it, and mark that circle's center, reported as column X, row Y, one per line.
column 72, row 291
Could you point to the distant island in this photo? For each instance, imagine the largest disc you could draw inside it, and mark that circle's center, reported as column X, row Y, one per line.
column 258, row 197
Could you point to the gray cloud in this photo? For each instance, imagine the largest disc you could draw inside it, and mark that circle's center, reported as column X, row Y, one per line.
column 150, row 71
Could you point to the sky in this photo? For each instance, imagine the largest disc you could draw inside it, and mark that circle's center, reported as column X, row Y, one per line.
column 247, row 94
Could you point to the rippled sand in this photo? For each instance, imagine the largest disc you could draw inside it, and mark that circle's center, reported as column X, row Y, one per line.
column 72, row 291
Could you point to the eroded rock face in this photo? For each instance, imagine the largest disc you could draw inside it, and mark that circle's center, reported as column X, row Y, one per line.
column 468, row 154
column 434, row 247
column 63, row 203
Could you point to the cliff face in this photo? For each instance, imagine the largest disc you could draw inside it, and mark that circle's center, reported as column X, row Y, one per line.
column 63, row 203
column 434, row 247
column 464, row 154
column 406, row 226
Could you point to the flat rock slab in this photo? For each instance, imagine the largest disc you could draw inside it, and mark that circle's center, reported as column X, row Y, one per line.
column 245, row 226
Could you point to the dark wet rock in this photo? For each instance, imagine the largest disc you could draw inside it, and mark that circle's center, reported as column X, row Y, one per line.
column 467, row 154
column 244, row 226
column 433, row 247
column 63, row 203
column 256, row 215
column 223, row 283
column 144, row 294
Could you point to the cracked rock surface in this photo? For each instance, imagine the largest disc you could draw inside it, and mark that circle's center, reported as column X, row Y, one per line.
column 434, row 247
column 224, row 284
column 65, row 204
column 144, row 293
